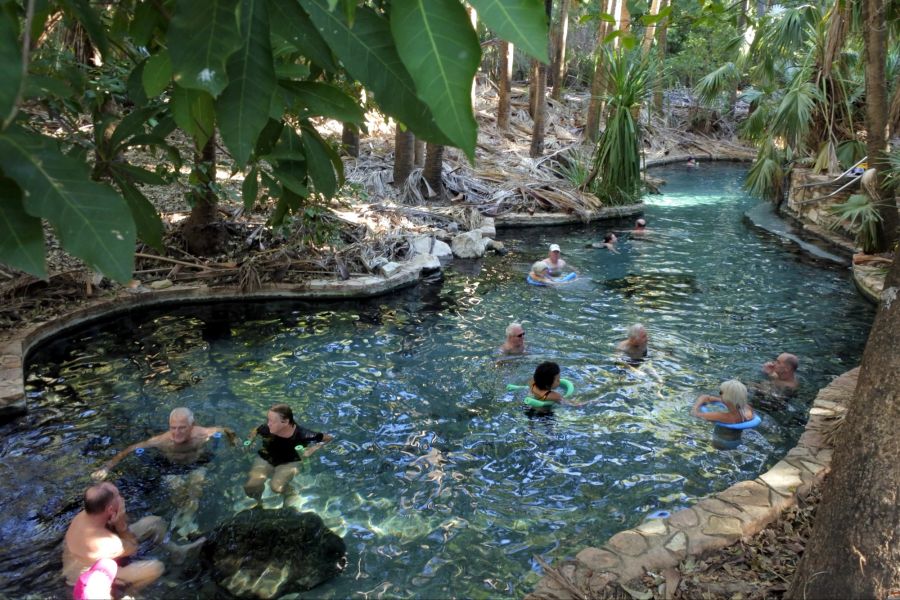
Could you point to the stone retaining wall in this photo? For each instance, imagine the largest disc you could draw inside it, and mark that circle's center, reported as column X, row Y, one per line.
column 715, row 522
column 543, row 219
column 15, row 345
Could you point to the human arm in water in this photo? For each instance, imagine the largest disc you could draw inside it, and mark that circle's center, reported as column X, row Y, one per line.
column 707, row 416
column 310, row 450
column 103, row 472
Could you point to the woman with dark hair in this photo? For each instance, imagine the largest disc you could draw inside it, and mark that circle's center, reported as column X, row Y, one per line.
column 279, row 458
column 546, row 378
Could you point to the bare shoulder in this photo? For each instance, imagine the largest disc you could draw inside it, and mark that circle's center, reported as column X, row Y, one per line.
column 158, row 441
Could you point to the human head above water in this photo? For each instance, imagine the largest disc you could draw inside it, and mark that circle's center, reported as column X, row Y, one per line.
column 637, row 333
column 284, row 411
column 555, row 248
column 98, row 497
column 514, row 329
column 640, row 223
column 734, row 392
column 609, row 238
column 545, row 375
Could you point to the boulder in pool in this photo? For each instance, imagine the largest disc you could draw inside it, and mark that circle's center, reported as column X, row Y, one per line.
column 270, row 553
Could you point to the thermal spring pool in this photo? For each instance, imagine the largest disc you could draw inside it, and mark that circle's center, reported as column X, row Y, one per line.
column 438, row 481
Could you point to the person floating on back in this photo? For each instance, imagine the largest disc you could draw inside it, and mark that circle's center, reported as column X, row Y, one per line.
column 515, row 340
column 635, row 345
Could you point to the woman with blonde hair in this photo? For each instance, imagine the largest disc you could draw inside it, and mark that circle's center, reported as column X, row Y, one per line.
column 730, row 422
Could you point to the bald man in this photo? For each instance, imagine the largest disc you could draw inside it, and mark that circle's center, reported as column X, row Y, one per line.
column 101, row 530
column 182, row 443
column 782, row 371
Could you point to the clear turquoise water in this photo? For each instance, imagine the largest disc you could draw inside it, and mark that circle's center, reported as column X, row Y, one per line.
column 412, row 378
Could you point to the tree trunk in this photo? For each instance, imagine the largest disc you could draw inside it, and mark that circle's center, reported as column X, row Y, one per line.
column 854, row 548
column 432, row 172
column 419, row 159
column 650, row 31
column 540, row 106
column 875, row 34
column 534, row 75
column 592, row 120
column 473, row 19
column 558, row 72
column 203, row 233
column 661, row 53
column 350, row 139
column 404, row 153
column 505, row 81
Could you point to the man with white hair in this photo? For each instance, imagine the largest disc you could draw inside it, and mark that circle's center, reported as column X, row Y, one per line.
column 181, row 444
column 515, row 340
column 635, row 345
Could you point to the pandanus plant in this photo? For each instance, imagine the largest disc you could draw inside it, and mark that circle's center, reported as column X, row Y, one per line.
column 616, row 172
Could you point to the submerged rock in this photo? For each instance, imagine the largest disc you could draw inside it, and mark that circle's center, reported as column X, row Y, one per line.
column 270, row 553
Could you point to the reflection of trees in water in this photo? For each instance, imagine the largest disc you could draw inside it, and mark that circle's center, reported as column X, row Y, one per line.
column 651, row 285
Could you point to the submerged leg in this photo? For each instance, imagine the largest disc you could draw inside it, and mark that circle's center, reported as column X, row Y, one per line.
column 283, row 475
column 256, row 479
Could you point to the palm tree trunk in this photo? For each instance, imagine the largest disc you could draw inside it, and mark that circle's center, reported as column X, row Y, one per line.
column 592, row 119
column 875, row 35
column 661, row 54
column 404, row 153
column 558, row 72
column 650, row 31
column 419, row 159
column 432, row 172
column 540, row 105
column 533, row 93
column 350, row 139
column 202, row 230
column 505, row 81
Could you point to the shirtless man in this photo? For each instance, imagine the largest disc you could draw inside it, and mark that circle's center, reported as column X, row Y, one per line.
column 640, row 227
column 182, row 444
column 782, row 371
column 635, row 345
column 515, row 340
column 101, row 530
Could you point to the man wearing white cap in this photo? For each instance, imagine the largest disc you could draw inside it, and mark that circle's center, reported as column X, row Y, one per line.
column 555, row 264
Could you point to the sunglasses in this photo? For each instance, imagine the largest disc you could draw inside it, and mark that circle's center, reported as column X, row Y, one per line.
column 520, row 334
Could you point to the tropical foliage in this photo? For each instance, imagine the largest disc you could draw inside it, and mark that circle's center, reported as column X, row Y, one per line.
column 254, row 72
column 616, row 172
column 803, row 77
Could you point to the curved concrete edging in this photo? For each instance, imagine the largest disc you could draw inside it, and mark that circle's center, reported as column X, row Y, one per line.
column 15, row 346
column 714, row 522
column 541, row 219
column 738, row 156
column 869, row 281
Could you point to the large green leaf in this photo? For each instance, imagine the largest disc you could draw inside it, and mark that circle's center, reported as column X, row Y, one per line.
column 290, row 22
column 91, row 220
column 21, row 235
column 323, row 100
column 250, row 189
column 194, row 112
column 202, row 35
column 243, row 108
column 149, row 225
column 10, row 65
column 318, row 159
column 369, row 55
column 437, row 44
column 157, row 73
column 522, row 22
